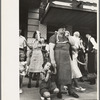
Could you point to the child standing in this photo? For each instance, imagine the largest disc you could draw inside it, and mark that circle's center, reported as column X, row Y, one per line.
column 22, row 69
column 47, row 84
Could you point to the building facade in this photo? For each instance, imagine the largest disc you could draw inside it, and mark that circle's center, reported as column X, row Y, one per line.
column 47, row 15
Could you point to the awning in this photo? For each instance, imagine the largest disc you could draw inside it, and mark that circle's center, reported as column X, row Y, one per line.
column 56, row 15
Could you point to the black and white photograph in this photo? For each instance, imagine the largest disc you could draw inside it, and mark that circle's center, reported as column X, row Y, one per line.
column 56, row 50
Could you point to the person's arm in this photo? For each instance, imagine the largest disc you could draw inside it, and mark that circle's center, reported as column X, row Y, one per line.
column 55, row 70
column 45, row 78
column 42, row 76
column 30, row 47
column 52, row 58
column 92, row 40
column 40, row 45
column 71, row 40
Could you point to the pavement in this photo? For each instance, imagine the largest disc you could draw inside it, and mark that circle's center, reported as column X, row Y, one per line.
column 33, row 92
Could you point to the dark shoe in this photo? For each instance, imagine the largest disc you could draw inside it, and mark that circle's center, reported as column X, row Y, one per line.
column 73, row 94
column 29, row 86
column 37, row 85
column 59, row 95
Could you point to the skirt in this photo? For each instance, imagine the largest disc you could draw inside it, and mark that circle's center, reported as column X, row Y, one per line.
column 36, row 61
column 76, row 73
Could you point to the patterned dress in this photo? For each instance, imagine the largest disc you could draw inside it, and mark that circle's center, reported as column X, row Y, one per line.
column 36, row 58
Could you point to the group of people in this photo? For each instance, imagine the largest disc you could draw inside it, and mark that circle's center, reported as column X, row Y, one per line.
column 55, row 64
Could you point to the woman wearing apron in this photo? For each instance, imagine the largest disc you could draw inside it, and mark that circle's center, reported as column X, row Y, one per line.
column 60, row 58
column 36, row 59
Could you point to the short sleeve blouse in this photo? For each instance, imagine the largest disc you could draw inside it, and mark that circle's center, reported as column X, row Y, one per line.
column 52, row 39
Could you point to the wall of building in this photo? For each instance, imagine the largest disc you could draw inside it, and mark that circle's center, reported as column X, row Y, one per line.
column 34, row 24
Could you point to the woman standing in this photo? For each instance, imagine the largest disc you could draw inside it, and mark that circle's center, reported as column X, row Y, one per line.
column 76, row 73
column 36, row 60
column 60, row 58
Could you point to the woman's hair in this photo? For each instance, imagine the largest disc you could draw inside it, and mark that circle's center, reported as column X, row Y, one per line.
column 34, row 34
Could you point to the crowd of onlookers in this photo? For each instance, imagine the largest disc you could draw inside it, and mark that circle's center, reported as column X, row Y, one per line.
column 64, row 61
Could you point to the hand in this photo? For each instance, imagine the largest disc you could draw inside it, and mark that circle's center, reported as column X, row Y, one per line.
column 53, row 63
column 49, row 71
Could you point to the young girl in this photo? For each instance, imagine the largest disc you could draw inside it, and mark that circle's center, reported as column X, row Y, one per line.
column 47, row 84
column 22, row 69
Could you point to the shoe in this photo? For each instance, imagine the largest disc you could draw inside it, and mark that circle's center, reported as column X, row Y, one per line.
column 42, row 98
column 20, row 91
column 80, row 89
column 29, row 86
column 59, row 95
column 48, row 98
column 65, row 88
column 73, row 94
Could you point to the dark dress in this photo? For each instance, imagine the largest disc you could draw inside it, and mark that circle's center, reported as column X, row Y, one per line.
column 62, row 58
column 48, row 86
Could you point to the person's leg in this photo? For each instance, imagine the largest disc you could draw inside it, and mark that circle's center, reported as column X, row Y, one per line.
column 56, row 90
column 20, row 84
column 75, row 81
column 30, row 77
column 77, row 86
column 37, row 81
column 59, row 94
column 45, row 94
column 21, row 81
column 71, row 92
column 53, row 88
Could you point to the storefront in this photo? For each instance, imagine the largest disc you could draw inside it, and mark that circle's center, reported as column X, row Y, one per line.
column 48, row 15
column 75, row 16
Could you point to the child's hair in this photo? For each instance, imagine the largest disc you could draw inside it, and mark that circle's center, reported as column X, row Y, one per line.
column 44, row 63
column 51, row 67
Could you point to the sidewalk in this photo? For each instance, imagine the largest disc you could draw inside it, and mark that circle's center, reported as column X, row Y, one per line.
column 33, row 93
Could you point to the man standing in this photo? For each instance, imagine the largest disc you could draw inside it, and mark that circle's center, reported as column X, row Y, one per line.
column 92, row 55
